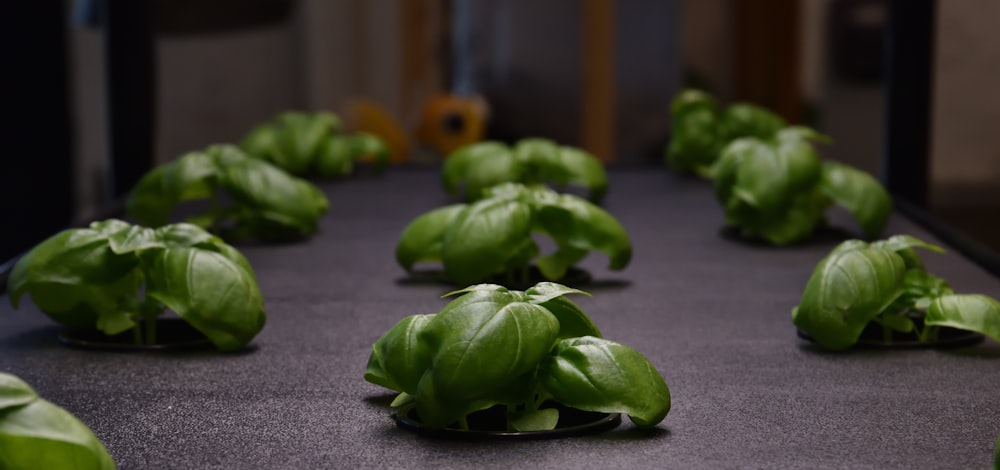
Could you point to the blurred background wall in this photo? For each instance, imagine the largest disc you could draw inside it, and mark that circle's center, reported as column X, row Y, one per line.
column 213, row 87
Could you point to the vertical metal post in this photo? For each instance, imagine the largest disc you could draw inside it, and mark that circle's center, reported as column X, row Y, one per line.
column 130, row 64
column 909, row 86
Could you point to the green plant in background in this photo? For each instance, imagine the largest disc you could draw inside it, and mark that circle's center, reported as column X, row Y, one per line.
column 530, row 161
column 249, row 198
column 885, row 282
column 493, row 236
column 303, row 143
column 996, row 456
column 94, row 277
column 699, row 131
column 778, row 190
column 35, row 433
column 494, row 346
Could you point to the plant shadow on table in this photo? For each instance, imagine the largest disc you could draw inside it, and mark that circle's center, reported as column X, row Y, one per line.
column 986, row 350
column 45, row 337
column 577, row 278
column 812, row 348
column 622, row 432
column 822, row 237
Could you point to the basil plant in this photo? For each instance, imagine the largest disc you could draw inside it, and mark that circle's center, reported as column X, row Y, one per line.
column 778, row 190
column 492, row 237
column 248, row 198
column 885, row 282
column 520, row 350
column 117, row 277
column 35, row 433
column 304, row 144
column 996, row 455
column 699, row 131
column 479, row 166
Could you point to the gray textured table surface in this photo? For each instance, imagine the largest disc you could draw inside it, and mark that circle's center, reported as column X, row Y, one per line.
column 711, row 313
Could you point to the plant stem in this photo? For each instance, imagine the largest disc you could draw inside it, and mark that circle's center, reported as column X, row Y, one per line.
column 136, row 335
column 463, row 423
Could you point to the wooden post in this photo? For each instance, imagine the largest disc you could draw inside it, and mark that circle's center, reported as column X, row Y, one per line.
column 597, row 125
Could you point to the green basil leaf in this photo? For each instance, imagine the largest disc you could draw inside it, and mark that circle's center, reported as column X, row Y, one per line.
column 581, row 168
column 402, row 399
column 480, row 240
column 539, row 161
column 972, row 312
column 154, row 198
column 74, row 256
column 184, row 234
column 573, row 323
column 39, row 434
column 896, row 322
column 797, row 223
column 217, row 296
column 555, row 265
column 14, row 392
column 849, row 245
column 545, row 291
column 691, row 99
column 299, row 138
column 801, row 133
column 83, row 305
column 748, row 120
column 334, row 159
column 112, row 322
column 846, row 291
column 996, row 457
column 694, row 140
column 369, row 148
column 488, row 171
column 423, row 238
column 588, row 227
column 594, row 374
column 399, row 359
column 482, row 342
column 919, row 284
column 135, row 238
column 860, row 194
column 260, row 142
column 477, row 288
column 274, row 196
column 726, row 168
column 109, row 227
column 901, row 242
column 534, row 420
column 458, row 163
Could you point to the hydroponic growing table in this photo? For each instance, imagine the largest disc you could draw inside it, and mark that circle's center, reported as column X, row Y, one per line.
column 712, row 313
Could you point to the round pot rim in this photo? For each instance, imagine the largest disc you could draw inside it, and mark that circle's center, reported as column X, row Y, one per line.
column 93, row 339
column 605, row 422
